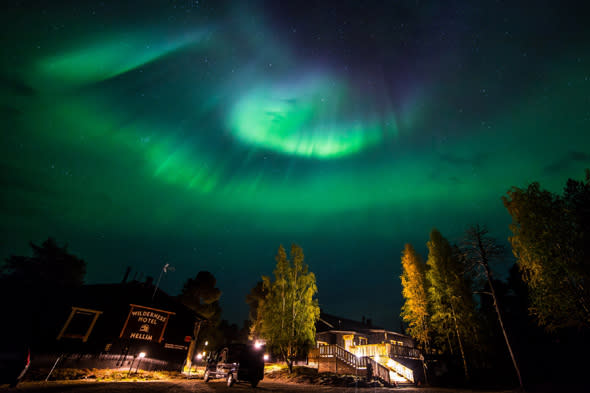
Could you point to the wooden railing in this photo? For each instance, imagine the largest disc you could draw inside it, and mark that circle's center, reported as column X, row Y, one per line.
column 386, row 349
column 358, row 362
column 341, row 354
column 404, row 352
column 400, row 369
column 371, row 350
column 379, row 370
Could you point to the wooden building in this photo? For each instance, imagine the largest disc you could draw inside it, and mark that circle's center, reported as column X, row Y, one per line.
column 348, row 333
column 347, row 346
column 111, row 325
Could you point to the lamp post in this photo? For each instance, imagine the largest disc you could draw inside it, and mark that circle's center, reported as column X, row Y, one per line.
column 131, row 366
column 165, row 269
column 141, row 356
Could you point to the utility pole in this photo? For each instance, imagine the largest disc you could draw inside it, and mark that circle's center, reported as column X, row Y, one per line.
column 193, row 345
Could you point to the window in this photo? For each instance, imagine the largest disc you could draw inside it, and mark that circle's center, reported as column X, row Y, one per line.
column 348, row 340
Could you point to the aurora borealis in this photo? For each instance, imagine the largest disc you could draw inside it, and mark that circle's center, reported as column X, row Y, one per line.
column 205, row 133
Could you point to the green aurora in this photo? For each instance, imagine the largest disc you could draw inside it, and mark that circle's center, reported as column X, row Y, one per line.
column 206, row 146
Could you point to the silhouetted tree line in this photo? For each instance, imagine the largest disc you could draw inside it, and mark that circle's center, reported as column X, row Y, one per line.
column 32, row 287
column 529, row 329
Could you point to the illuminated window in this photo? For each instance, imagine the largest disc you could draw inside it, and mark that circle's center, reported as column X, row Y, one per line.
column 363, row 341
column 348, row 340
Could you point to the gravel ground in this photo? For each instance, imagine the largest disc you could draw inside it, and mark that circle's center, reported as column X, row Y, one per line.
column 198, row 386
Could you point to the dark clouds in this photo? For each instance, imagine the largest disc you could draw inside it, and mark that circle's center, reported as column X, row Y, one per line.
column 571, row 160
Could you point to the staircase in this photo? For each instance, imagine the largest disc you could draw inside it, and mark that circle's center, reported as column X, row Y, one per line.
column 383, row 367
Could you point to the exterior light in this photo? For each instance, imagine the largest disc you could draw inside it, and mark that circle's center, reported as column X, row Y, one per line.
column 141, row 356
column 206, row 343
column 258, row 345
column 266, row 357
column 199, row 356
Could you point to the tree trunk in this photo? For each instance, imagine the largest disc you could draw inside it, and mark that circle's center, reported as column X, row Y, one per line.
column 192, row 347
column 486, row 267
column 427, row 341
column 460, row 345
column 508, row 344
column 450, row 344
column 496, row 306
column 425, row 370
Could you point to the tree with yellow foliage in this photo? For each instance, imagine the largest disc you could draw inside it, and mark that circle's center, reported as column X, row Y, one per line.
column 414, row 290
column 551, row 241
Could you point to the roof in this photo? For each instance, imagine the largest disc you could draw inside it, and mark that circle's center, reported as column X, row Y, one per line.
column 335, row 324
column 332, row 322
column 121, row 295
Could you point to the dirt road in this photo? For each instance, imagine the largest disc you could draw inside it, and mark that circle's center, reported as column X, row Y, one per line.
column 198, row 386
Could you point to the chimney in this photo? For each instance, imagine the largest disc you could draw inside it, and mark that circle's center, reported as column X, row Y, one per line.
column 364, row 320
column 126, row 276
column 369, row 322
column 149, row 280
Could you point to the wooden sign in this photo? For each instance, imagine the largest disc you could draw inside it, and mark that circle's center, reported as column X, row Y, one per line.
column 145, row 323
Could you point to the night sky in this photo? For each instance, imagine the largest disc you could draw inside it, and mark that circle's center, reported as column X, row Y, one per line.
column 205, row 133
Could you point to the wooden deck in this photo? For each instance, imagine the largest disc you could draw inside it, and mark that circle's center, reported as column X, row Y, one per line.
column 334, row 358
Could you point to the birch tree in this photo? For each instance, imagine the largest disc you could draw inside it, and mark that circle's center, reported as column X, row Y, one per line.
column 450, row 296
column 290, row 309
column 551, row 241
